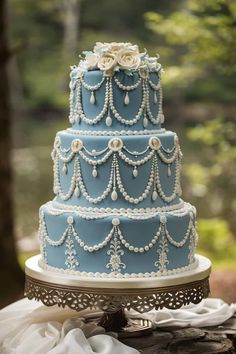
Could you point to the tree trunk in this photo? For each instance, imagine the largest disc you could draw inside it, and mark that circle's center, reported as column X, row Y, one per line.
column 10, row 273
column 71, row 27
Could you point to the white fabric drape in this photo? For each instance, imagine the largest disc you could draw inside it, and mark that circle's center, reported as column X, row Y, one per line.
column 209, row 312
column 28, row 327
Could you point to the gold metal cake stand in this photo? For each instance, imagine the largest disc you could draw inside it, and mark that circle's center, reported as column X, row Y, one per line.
column 114, row 295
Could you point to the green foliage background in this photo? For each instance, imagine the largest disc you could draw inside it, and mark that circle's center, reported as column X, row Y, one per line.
column 196, row 40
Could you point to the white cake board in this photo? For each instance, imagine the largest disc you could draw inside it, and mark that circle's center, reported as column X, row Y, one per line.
column 202, row 271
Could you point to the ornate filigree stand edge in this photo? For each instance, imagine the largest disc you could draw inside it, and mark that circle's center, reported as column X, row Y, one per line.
column 113, row 300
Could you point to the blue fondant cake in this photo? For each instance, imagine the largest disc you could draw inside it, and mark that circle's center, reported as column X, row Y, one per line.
column 117, row 210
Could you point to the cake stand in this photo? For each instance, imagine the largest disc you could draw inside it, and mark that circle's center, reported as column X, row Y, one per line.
column 114, row 295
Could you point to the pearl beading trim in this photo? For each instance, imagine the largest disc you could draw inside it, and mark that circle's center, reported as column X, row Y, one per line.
column 127, row 87
column 176, row 190
column 154, row 86
column 80, row 113
column 115, row 177
column 115, row 132
column 93, row 87
column 70, row 230
column 55, row 208
column 159, row 117
column 136, row 163
column 84, row 190
column 121, row 211
column 122, row 120
column 140, row 275
column 76, row 108
column 114, row 180
column 123, row 191
column 94, row 153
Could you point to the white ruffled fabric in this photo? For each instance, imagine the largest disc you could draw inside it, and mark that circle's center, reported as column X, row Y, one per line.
column 29, row 327
column 209, row 312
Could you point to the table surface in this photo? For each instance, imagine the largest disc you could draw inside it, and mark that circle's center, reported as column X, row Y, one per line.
column 211, row 340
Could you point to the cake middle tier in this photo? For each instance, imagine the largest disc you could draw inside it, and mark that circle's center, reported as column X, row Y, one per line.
column 117, row 172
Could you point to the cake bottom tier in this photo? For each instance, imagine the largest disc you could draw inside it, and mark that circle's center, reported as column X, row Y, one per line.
column 124, row 243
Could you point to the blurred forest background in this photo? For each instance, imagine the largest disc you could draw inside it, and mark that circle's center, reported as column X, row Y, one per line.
column 196, row 40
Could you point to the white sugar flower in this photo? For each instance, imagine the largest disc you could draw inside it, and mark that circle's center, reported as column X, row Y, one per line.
column 112, row 47
column 91, row 60
column 81, row 67
column 128, row 59
column 116, row 47
column 101, row 47
column 143, row 72
column 151, row 62
column 107, row 62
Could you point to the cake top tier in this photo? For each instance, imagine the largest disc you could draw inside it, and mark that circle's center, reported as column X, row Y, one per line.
column 113, row 57
column 116, row 88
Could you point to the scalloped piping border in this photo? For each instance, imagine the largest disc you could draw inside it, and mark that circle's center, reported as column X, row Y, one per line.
column 115, row 211
column 119, row 275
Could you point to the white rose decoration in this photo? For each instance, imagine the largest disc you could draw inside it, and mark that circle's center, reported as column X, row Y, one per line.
column 91, row 61
column 152, row 62
column 128, row 59
column 101, row 47
column 116, row 47
column 107, row 62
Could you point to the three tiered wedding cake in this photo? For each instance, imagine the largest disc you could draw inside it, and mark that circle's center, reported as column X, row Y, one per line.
column 117, row 210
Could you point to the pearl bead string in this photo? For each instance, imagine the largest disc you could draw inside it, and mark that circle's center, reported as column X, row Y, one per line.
column 94, row 152
column 118, row 116
column 71, row 105
column 136, row 153
column 142, row 249
column 136, row 163
column 168, row 160
column 98, row 161
column 115, row 231
column 84, row 190
column 92, row 87
column 80, row 112
column 115, row 132
column 155, row 87
column 41, row 232
column 181, row 243
column 136, row 212
column 64, row 159
column 176, row 190
column 77, row 113
column 169, row 151
column 127, row 197
column 129, row 161
column 127, row 87
column 57, row 185
column 96, row 247
column 183, row 212
column 78, row 185
column 149, row 112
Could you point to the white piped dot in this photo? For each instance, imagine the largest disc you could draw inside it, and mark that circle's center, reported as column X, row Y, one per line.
column 115, row 222
column 70, row 220
column 163, row 219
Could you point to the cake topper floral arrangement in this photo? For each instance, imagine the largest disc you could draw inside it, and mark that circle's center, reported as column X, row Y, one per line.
column 112, row 57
